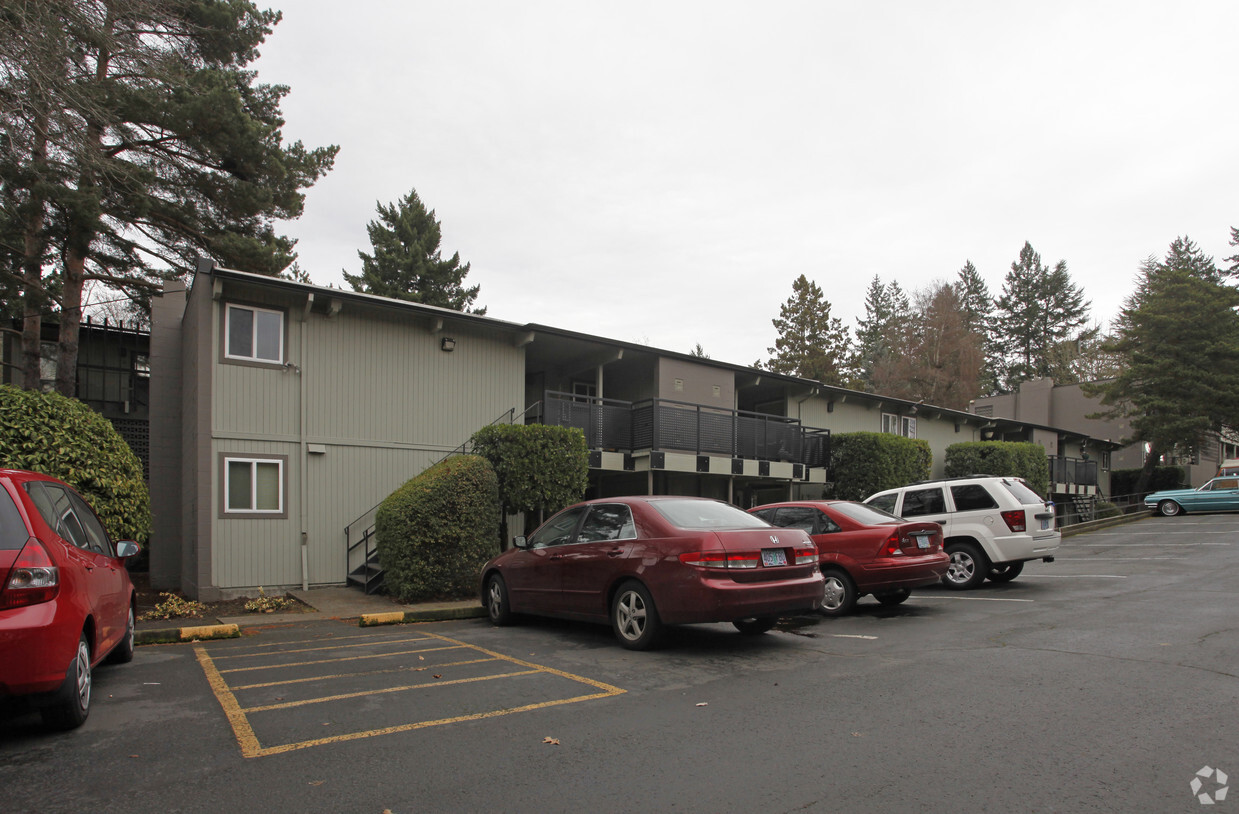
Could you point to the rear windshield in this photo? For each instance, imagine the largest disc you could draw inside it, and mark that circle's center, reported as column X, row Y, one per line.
column 706, row 514
column 13, row 534
column 1022, row 493
column 869, row 515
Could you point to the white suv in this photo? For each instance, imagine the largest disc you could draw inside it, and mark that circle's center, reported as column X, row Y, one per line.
column 991, row 525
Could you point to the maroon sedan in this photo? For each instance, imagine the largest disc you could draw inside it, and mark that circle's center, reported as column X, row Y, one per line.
column 864, row 550
column 66, row 601
column 645, row 562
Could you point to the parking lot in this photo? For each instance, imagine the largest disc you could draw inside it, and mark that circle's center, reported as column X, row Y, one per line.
column 1103, row 681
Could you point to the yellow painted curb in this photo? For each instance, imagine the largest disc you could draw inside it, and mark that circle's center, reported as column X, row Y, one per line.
column 371, row 619
column 210, row 632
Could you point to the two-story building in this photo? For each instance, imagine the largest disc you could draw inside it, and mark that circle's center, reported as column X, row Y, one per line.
column 283, row 413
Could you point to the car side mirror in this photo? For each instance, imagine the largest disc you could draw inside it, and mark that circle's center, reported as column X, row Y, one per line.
column 520, row 542
column 126, row 549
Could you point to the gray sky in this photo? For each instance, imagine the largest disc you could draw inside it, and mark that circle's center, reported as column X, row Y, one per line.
column 660, row 172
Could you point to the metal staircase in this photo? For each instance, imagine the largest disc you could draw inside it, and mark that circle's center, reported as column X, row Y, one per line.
column 361, row 545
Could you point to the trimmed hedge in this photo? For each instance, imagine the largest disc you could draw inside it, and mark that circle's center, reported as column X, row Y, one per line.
column 436, row 531
column 540, row 468
column 1123, row 481
column 1004, row 458
column 62, row 437
column 867, row 462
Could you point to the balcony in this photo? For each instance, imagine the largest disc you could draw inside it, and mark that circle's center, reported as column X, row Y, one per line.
column 1073, row 475
column 661, row 425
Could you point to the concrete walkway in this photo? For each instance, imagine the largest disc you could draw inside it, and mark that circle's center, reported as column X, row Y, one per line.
column 334, row 602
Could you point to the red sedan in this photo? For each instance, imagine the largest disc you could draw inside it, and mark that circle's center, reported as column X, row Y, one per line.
column 66, row 601
column 864, row 550
column 644, row 562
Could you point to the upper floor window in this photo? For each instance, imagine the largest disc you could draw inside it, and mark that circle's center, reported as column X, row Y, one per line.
column 254, row 334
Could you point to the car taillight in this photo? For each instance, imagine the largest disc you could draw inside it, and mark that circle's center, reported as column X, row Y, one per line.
column 1014, row 519
column 892, row 544
column 34, row 578
column 806, row 556
column 722, row 559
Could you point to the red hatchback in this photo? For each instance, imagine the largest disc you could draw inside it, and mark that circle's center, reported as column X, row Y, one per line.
column 864, row 550
column 66, row 601
column 644, row 562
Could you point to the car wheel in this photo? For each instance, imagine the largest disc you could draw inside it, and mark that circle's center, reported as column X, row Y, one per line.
column 755, row 626
column 497, row 606
column 72, row 703
column 968, row 566
column 123, row 652
column 1005, row 572
column 1168, row 508
column 893, row 597
column 634, row 617
column 838, row 594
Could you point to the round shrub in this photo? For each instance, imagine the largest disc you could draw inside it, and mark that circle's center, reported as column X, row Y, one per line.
column 1019, row 459
column 863, row 463
column 62, row 437
column 435, row 532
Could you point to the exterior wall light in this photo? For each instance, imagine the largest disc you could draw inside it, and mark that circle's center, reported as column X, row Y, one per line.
column 447, row 344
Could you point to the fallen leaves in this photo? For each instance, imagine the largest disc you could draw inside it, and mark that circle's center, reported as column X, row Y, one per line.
column 551, row 741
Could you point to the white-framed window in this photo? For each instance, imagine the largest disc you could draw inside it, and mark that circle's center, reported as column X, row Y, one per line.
column 253, row 334
column 253, row 486
column 904, row 425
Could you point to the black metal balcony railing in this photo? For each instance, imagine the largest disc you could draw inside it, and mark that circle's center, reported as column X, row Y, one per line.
column 1076, row 471
column 661, row 424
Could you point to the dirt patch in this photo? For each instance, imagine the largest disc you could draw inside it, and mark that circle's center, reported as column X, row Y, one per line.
column 148, row 599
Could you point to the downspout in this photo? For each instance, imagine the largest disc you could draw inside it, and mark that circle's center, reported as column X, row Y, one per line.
column 303, row 510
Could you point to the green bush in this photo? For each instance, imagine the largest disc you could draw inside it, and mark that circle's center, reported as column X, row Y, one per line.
column 1004, row 458
column 539, row 467
column 435, row 532
column 1107, row 509
column 62, row 437
column 868, row 462
column 1123, row 481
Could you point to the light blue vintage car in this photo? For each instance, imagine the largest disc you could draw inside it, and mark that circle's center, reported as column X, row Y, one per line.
column 1218, row 495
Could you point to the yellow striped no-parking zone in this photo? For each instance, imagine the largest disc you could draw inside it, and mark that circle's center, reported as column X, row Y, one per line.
column 311, row 672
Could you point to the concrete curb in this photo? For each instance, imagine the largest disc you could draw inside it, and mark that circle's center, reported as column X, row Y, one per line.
column 424, row 615
column 168, row 635
column 1104, row 523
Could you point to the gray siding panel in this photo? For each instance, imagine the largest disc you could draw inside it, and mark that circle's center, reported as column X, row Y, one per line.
column 381, row 402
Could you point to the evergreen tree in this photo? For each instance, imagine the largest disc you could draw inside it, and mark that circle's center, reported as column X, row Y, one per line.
column 135, row 141
column 1178, row 338
column 872, row 340
column 1038, row 309
column 810, row 342
column 1234, row 258
column 977, row 308
column 407, row 263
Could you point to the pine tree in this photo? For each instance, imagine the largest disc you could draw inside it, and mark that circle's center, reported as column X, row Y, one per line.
column 407, row 264
column 1178, row 337
column 872, row 343
column 1038, row 309
column 811, row 343
column 977, row 307
column 135, row 141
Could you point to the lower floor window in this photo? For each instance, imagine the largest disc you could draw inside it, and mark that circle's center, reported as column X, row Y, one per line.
column 254, row 485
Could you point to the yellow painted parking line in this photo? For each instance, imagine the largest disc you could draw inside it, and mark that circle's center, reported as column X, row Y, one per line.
column 248, row 741
column 357, row 675
column 229, row 656
column 333, row 661
column 386, row 690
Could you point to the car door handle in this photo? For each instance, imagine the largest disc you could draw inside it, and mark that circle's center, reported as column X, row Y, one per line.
column 88, row 567
column 557, row 556
column 615, row 552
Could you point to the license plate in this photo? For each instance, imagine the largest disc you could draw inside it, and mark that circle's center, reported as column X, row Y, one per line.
column 922, row 541
column 773, row 556
column 1045, row 524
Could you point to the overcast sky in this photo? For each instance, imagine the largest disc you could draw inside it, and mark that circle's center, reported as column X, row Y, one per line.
column 661, row 172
